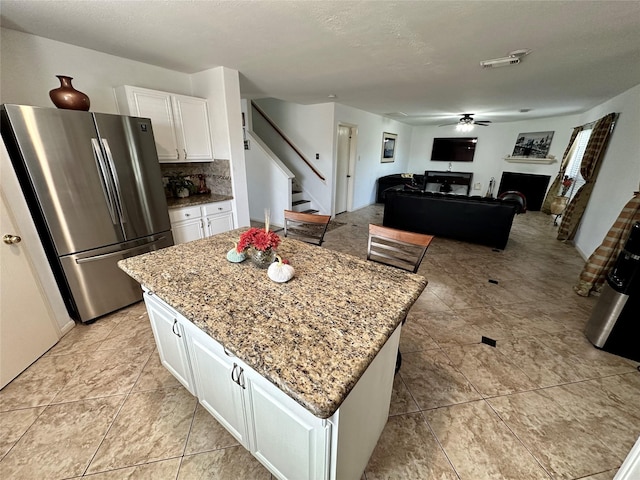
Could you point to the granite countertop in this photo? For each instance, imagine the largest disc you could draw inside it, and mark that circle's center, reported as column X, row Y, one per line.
column 313, row 337
column 197, row 199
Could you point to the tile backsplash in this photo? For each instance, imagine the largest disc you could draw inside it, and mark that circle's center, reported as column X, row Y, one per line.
column 217, row 174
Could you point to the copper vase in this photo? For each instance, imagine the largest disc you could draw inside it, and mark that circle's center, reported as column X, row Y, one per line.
column 65, row 96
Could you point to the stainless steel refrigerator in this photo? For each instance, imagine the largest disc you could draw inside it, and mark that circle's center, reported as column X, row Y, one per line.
column 94, row 188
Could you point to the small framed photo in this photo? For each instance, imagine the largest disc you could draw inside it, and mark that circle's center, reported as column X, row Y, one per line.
column 533, row 144
column 388, row 147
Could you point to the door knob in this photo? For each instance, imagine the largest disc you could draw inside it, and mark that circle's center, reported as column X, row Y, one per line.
column 11, row 239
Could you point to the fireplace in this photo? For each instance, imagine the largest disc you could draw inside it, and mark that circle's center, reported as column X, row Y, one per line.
column 533, row 187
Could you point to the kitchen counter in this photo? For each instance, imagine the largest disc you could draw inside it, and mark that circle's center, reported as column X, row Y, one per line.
column 197, row 200
column 312, row 337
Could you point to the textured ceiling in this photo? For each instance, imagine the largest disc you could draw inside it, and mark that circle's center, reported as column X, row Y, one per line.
column 417, row 57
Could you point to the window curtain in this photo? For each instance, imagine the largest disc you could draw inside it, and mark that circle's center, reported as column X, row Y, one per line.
column 589, row 170
column 594, row 273
column 555, row 186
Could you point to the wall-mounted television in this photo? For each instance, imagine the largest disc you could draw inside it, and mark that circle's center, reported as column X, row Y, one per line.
column 454, row 149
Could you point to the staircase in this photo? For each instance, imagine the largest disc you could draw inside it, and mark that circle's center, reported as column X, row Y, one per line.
column 298, row 202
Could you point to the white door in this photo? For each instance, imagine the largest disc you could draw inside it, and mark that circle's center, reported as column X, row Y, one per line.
column 217, row 380
column 219, row 223
column 342, row 171
column 184, row 232
column 170, row 341
column 284, row 436
column 27, row 324
column 192, row 120
column 157, row 107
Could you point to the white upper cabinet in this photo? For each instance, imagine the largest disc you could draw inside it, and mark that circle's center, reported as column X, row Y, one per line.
column 180, row 123
column 193, row 129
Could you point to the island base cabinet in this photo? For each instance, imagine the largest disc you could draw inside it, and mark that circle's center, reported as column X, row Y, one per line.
column 285, row 437
column 363, row 414
column 170, row 340
column 291, row 442
column 215, row 374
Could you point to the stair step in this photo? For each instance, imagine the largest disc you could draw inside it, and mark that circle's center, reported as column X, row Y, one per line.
column 310, row 211
column 294, row 191
column 300, row 205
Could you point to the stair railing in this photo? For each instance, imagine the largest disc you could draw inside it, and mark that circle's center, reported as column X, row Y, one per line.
column 287, row 140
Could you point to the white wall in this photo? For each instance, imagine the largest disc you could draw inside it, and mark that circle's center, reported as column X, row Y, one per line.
column 221, row 87
column 494, row 143
column 309, row 127
column 30, row 65
column 269, row 181
column 619, row 173
column 369, row 150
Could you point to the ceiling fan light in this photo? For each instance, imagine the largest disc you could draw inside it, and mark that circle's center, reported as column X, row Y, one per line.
column 464, row 127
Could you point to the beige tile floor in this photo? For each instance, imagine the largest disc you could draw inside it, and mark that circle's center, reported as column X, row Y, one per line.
column 543, row 404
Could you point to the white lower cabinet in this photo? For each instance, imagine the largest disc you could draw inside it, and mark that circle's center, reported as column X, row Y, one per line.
column 170, row 338
column 188, row 231
column 200, row 221
column 217, row 391
column 285, row 437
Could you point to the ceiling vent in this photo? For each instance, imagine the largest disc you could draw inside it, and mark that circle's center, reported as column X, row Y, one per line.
column 512, row 59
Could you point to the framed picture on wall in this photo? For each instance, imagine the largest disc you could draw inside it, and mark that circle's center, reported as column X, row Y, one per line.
column 388, row 147
column 533, row 144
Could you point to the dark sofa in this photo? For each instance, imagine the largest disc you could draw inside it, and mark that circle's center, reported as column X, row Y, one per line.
column 485, row 221
column 394, row 180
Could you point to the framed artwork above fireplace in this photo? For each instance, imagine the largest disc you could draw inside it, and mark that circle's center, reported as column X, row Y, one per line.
column 533, row 144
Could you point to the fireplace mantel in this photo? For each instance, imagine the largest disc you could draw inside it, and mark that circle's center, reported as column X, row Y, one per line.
column 540, row 161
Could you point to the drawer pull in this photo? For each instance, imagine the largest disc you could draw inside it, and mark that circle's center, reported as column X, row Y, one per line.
column 187, row 214
column 173, row 328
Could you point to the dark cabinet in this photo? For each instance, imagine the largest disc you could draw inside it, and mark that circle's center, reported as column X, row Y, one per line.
column 454, row 182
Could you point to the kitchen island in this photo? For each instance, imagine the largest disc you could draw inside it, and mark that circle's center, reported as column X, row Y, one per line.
column 301, row 372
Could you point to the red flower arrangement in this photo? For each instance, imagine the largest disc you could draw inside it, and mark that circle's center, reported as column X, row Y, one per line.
column 566, row 183
column 258, row 238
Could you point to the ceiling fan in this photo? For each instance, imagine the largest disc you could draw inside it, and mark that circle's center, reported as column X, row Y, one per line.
column 467, row 122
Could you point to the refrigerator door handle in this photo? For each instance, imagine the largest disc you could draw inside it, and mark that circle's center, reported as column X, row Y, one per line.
column 96, row 258
column 97, row 155
column 112, row 167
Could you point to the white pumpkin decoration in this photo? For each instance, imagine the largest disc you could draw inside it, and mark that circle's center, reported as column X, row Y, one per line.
column 235, row 256
column 280, row 272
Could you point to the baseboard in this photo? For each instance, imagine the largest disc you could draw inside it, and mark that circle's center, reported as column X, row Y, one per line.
column 582, row 254
column 630, row 468
column 67, row 327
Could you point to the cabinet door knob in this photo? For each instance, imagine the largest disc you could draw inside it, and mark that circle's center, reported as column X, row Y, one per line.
column 185, row 153
column 177, row 154
column 234, row 378
column 187, row 214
